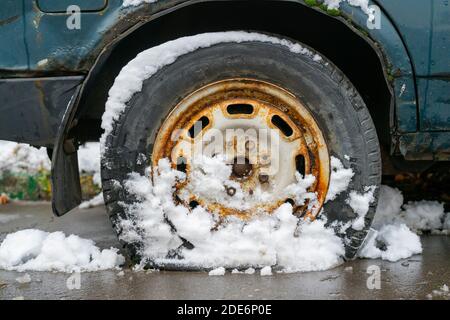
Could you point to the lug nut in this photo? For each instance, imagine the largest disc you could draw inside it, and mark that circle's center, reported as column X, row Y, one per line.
column 263, row 178
column 231, row 191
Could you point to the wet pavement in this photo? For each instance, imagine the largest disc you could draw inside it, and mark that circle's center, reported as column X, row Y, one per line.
column 415, row 278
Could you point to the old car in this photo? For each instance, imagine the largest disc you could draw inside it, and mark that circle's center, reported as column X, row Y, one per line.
column 360, row 81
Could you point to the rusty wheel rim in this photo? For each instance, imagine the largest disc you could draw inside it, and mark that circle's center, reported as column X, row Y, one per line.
column 247, row 106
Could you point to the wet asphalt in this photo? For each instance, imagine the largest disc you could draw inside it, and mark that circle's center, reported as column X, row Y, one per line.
column 418, row 277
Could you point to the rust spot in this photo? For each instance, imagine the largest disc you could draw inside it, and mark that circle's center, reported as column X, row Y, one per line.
column 251, row 97
column 8, row 20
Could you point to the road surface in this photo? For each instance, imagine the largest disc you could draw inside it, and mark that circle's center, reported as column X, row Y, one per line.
column 413, row 278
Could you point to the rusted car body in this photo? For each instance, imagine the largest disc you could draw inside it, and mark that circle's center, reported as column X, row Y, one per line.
column 55, row 74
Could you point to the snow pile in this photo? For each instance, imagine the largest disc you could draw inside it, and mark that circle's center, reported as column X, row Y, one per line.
column 424, row 215
column 247, row 271
column 418, row 215
column 266, row 271
column 134, row 3
column 280, row 239
column 147, row 63
column 22, row 158
column 396, row 241
column 17, row 157
column 217, row 272
column 36, row 250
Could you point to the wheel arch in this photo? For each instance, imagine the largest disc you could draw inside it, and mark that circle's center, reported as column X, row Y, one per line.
column 382, row 53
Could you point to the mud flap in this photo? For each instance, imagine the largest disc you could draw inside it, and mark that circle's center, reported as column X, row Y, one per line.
column 66, row 188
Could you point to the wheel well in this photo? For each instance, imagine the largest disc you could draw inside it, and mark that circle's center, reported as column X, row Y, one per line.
column 344, row 46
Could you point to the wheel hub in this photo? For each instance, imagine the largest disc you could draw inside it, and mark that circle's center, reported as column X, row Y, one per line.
column 265, row 134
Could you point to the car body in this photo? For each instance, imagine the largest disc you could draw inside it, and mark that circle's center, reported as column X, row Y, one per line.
column 54, row 78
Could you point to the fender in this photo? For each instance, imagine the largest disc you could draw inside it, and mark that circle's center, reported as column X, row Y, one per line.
column 121, row 22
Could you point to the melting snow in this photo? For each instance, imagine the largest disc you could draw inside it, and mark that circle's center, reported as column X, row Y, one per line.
column 37, row 250
column 18, row 157
column 266, row 271
column 339, row 180
column 26, row 278
column 265, row 240
column 94, row 202
column 395, row 237
column 360, row 204
column 417, row 215
column 217, row 272
column 399, row 241
column 134, row 3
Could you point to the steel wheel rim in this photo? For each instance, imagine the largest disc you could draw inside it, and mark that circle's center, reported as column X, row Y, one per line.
column 248, row 104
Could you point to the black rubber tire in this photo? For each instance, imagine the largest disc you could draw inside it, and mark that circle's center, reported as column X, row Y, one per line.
column 329, row 95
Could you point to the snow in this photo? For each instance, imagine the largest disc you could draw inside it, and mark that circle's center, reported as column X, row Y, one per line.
column 22, row 158
column 279, row 239
column 418, row 215
column 210, row 179
column 36, row 250
column 134, row 3
column 363, row 4
column 250, row 271
column 94, row 202
column 400, row 242
column 398, row 225
column 339, row 180
column 26, row 278
column 264, row 241
column 424, row 215
column 89, row 160
column 147, row 63
column 266, row 271
column 217, row 272
column 360, row 204
column 446, row 224
column 17, row 158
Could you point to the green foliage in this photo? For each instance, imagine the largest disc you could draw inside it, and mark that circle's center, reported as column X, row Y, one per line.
column 311, row 3
column 37, row 186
